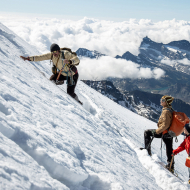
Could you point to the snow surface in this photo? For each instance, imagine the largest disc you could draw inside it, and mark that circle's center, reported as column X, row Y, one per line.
column 49, row 141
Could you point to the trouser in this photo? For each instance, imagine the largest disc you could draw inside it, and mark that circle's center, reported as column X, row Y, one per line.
column 168, row 140
column 70, row 88
column 189, row 172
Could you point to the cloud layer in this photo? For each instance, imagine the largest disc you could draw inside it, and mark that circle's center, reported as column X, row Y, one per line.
column 108, row 37
column 174, row 62
column 108, row 66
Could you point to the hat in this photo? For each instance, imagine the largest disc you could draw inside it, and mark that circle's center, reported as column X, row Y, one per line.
column 54, row 47
column 168, row 99
column 187, row 127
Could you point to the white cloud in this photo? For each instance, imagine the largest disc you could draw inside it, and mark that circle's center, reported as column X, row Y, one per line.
column 184, row 61
column 174, row 62
column 168, row 62
column 108, row 37
column 158, row 73
column 106, row 66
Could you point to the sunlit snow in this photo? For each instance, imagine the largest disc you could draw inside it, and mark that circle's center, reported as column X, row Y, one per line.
column 49, row 141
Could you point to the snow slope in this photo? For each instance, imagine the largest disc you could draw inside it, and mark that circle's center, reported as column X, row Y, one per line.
column 49, row 141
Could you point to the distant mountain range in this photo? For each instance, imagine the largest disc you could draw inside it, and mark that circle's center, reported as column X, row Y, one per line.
column 143, row 95
column 143, row 103
column 152, row 55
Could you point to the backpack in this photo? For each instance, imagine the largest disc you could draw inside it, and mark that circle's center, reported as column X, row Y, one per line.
column 187, row 162
column 68, row 49
column 179, row 119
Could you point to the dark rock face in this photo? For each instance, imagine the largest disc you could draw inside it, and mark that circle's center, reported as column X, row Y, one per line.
column 106, row 88
column 179, row 91
column 143, row 103
column 87, row 53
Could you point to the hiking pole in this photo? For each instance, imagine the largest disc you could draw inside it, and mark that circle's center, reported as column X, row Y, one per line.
column 171, row 162
column 161, row 148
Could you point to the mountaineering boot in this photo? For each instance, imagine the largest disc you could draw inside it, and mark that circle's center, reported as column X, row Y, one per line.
column 53, row 78
column 148, row 150
column 59, row 82
column 148, row 146
column 172, row 167
column 148, row 140
column 189, row 181
column 77, row 99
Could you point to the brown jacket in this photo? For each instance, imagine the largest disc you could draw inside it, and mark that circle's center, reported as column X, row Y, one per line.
column 164, row 121
column 57, row 61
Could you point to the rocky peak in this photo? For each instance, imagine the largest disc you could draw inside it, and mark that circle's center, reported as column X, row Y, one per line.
column 88, row 53
column 148, row 43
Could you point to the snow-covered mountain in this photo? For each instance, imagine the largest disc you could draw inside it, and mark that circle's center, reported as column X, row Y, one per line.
column 49, row 141
column 171, row 54
column 173, row 58
column 153, row 53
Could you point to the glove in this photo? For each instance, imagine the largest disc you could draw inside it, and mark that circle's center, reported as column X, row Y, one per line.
column 175, row 152
column 153, row 132
column 25, row 58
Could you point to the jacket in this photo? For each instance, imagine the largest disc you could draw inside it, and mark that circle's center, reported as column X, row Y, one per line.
column 184, row 145
column 165, row 120
column 58, row 62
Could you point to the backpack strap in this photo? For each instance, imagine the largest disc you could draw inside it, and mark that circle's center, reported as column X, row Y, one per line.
column 71, row 75
column 171, row 110
column 63, row 56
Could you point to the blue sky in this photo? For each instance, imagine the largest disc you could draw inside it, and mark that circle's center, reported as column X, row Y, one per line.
column 116, row 10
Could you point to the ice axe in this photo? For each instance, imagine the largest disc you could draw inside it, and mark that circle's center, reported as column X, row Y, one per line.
column 60, row 73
